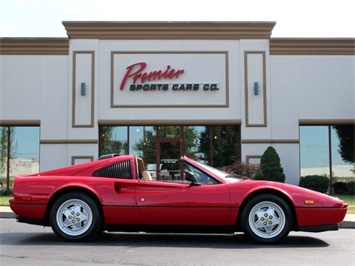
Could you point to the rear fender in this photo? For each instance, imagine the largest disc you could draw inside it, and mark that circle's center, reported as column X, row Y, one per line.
column 71, row 188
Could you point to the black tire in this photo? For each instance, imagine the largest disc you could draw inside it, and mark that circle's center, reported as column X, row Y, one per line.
column 75, row 216
column 266, row 219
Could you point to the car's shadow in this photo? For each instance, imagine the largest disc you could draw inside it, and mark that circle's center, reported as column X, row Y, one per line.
column 237, row 241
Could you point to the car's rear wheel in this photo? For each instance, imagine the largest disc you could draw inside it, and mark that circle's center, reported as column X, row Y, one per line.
column 75, row 216
column 266, row 219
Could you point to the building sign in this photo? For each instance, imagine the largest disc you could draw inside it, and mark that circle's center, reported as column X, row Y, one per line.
column 173, row 79
column 139, row 78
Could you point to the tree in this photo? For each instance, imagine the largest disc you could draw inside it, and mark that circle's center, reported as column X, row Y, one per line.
column 190, row 140
column 270, row 167
column 346, row 135
column 7, row 150
column 107, row 145
column 147, row 145
column 3, row 148
column 226, row 145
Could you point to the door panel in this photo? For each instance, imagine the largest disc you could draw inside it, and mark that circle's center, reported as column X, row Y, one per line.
column 121, row 207
column 167, row 203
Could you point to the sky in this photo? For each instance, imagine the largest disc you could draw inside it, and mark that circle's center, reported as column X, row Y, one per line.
column 301, row 18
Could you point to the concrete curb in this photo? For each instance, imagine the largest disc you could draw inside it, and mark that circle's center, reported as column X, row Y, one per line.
column 6, row 212
column 7, row 215
column 349, row 221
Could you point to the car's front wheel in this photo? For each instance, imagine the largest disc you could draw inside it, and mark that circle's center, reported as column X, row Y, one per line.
column 266, row 219
column 75, row 216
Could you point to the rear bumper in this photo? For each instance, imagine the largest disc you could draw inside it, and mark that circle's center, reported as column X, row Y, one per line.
column 28, row 213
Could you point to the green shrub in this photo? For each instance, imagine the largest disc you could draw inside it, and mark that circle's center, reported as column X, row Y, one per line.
column 350, row 188
column 340, row 188
column 344, row 188
column 270, row 167
column 315, row 182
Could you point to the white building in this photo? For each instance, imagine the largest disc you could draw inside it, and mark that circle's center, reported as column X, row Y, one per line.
column 124, row 74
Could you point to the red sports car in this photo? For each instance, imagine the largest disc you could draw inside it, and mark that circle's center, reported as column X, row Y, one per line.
column 117, row 194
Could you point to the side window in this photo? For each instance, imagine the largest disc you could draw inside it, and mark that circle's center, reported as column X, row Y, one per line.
column 118, row 170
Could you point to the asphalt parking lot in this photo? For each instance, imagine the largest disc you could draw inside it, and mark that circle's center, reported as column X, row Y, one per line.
column 23, row 244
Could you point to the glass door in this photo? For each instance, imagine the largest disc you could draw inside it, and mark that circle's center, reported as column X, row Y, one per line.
column 169, row 154
column 170, row 148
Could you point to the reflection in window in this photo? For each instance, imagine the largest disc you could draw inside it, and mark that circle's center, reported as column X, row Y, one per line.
column 343, row 149
column 222, row 144
column 169, row 131
column 314, row 150
column 19, row 151
column 217, row 146
column 136, row 135
column 320, row 152
column 192, row 144
column 113, row 140
column 145, row 146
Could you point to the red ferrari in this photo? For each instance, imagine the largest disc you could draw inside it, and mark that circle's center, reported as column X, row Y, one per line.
column 116, row 193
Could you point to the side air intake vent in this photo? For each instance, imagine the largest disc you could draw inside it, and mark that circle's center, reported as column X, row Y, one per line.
column 118, row 170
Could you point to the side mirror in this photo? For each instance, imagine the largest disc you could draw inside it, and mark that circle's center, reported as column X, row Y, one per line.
column 190, row 176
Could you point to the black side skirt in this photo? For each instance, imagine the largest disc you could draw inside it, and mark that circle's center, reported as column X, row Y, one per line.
column 171, row 229
column 319, row 228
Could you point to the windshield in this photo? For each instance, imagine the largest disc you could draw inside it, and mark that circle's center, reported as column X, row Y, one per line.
column 229, row 178
column 224, row 175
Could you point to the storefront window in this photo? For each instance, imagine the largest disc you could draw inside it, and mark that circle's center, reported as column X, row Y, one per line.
column 136, row 135
column 192, row 145
column 145, row 146
column 222, row 143
column 314, row 151
column 343, row 149
column 169, row 131
column 327, row 151
column 218, row 146
column 113, row 140
column 19, row 152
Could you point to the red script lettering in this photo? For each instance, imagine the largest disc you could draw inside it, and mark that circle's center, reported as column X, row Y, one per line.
column 136, row 73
